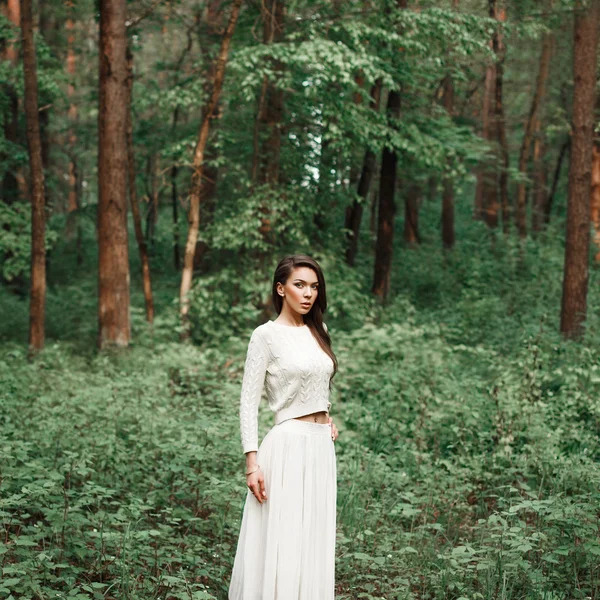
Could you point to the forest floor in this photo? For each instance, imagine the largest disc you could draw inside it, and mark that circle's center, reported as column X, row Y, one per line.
column 468, row 455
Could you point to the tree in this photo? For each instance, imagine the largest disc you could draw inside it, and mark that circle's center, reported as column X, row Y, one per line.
column 37, row 297
column 384, row 246
column 575, row 279
column 133, row 201
column 354, row 212
column 198, row 160
column 113, row 259
column 538, row 96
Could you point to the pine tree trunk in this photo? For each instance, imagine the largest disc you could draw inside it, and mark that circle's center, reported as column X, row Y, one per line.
column 37, row 296
column 113, row 259
column 384, row 246
column 133, row 200
column 196, row 187
column 540, row 87
column 575, row 281
column 355, row 210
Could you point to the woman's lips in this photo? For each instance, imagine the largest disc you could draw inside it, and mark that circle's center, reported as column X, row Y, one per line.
column 306, row 304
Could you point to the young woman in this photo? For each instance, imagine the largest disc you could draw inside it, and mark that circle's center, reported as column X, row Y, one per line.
column 286, row 548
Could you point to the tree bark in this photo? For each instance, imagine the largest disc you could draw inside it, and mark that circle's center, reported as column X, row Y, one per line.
column 113, row 259
column 411, row 215
column 72, row 115
column 576, row 273
column 540, row 176
column 13, row 182
column 384, row 246
column 37, row 297
column 196, row 187
column 555, row 179
column 448, row 236
column 538, row 96
column 355, row 210
column 483, row 172
column 133, row 201
column 499, row 51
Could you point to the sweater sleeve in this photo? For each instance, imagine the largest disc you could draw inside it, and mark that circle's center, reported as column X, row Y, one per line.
column 255, row 369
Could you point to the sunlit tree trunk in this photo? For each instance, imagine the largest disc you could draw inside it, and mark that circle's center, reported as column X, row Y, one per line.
column 198, row 160
column 575, row 281
column 133, row 200
column 210, row 32
column 113, row 259
column 37, row 296
column 540, row 87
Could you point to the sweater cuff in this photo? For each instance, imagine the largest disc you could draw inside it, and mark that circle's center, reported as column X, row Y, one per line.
column 250, row 446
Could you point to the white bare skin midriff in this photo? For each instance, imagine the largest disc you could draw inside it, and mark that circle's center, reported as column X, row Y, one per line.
column 317, row 417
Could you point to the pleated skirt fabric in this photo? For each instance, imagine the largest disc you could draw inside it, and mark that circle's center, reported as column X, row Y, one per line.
column 286, row 546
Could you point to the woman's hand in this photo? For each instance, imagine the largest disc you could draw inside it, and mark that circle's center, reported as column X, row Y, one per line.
column 334, row 430
column 256, row 484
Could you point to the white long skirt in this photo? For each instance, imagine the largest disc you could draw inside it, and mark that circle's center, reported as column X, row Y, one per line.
column 286, row 548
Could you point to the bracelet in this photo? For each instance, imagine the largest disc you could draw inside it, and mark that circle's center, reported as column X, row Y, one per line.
column 250, row 472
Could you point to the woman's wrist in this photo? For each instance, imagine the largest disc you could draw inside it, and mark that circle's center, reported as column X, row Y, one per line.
column 250, row 460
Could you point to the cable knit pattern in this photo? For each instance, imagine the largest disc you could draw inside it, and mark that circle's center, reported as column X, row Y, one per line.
column 295, row 371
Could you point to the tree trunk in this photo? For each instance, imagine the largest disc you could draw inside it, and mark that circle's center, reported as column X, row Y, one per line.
column 448, row 191
column 152, row 189
column 210, row 174
column 411, row 215
column 575, row 282
column 113, row 259
column 483, row 171
column 37, row 297
column 355, row 210
column 196, row 187
column 133, row 201
column 13, row 182
column 73, row 198
column 540, row 176
column 175, row 212
column 384, row 246
column 500, row 51
column 540, row 87
column 557, row 170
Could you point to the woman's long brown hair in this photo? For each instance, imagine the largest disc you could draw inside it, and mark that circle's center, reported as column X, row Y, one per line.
column 314, row 318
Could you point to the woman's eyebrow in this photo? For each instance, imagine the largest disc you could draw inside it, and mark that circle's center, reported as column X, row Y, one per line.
column 302, row 280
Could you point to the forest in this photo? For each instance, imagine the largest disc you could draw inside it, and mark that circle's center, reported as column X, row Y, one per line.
column 439, row 159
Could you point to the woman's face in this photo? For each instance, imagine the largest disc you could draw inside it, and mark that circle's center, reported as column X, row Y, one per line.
column 300, row 290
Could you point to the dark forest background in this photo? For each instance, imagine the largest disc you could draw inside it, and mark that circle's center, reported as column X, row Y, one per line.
column 438, row 158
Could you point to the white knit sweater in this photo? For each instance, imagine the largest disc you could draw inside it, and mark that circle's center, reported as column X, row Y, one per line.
column 295, row 369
